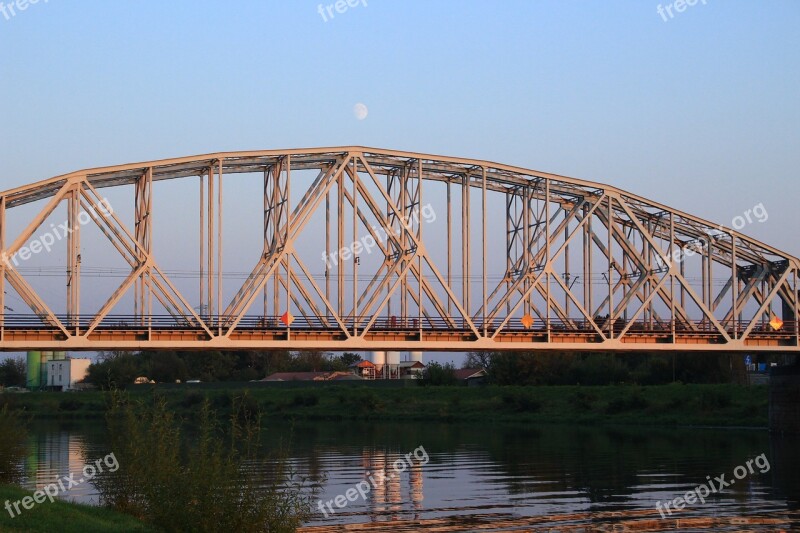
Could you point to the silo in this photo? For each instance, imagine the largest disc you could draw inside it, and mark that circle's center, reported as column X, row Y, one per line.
column 393, row 364
column 377, row 358
column 34, row 370
column 46, row 356
column 415, row 356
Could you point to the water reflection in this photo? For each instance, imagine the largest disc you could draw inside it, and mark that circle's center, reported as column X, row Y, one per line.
column 391, row 490
column 56, row 454
column 555, row 476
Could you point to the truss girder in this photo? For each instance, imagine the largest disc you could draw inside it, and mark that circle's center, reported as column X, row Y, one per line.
column 588, row 266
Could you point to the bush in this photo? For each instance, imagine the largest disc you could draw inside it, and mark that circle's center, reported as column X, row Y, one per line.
column 222, row 401
column 192, row 399
column 365, row 401
column 13, row 436
column 171, row 482
column 521, row 401
column 309, row 399
column 582, row 400
column 438, row 374
column 69, row 404
column 630, row 402
column 714, row 399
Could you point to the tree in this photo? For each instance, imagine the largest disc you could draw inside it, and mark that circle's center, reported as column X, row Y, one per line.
column 480, row 360
column 341, row 363
column 279, row 361
column 210, row 366
column 115, row 370
column 439, row 374
column 167, row 367
column 510, row 368
column 12, row 373
column 349, row 358
column 308, row 361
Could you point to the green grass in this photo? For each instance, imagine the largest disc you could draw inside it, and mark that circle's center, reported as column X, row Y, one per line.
column 665, row 405
column 63, row 517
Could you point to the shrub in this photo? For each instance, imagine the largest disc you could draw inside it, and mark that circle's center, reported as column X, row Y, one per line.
column 365, row 401
column 438, row 374
column 246, row 410
column 630, row 402
column 69, row 404
column 13, row 436
column 171, row 481
column 714, row 399
column 192, row 399
column 521, row 401
column 582, row 400
column 309, row 399
column 222, row 401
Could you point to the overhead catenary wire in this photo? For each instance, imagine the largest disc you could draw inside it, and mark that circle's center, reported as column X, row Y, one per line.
column 598, row 278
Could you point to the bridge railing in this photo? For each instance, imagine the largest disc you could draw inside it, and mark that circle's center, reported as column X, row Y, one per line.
column 639, row 327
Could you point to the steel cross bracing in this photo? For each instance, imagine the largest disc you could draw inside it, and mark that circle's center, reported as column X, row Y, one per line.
column 586, row 266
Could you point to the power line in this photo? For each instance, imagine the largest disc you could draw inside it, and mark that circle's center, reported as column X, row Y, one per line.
column 599, row 278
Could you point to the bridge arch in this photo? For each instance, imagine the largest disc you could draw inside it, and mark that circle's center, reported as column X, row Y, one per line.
column 368, row 249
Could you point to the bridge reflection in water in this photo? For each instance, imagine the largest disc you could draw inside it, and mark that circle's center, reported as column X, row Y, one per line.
column 392, row 491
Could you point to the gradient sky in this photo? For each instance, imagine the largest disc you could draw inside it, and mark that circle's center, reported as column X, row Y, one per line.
column 700, row 112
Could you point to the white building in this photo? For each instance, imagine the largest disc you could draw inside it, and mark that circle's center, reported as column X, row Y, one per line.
column 65, row 373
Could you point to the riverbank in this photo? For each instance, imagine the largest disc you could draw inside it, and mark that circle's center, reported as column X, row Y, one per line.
column 63, row 516
column 664, row 405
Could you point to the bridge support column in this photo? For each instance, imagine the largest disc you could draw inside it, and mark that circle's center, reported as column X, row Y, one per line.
column 143, row 227
column 74, row 256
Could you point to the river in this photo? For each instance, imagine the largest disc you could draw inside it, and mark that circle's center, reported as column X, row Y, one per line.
column 464, row 477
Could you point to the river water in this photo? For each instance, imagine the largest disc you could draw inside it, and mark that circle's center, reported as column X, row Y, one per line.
column 467, row 477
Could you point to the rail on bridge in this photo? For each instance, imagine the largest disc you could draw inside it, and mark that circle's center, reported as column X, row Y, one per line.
column 357, row 248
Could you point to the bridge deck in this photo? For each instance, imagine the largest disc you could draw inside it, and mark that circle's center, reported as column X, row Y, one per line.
column 166, row 332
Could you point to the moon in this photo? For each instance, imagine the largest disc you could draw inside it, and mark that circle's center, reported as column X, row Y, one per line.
column 360, row 111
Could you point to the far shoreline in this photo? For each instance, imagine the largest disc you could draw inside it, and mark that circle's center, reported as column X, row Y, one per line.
column 724, row 406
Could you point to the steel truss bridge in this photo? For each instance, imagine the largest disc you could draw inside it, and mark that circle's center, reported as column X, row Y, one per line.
column 370, row 249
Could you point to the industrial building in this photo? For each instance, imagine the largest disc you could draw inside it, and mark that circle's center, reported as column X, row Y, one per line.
column 54, row 371
column 37, row 368
column 64, row 374
column 387, row 365
column 363, row 369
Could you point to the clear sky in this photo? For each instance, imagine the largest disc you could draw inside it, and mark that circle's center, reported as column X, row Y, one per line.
column 699, row 110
